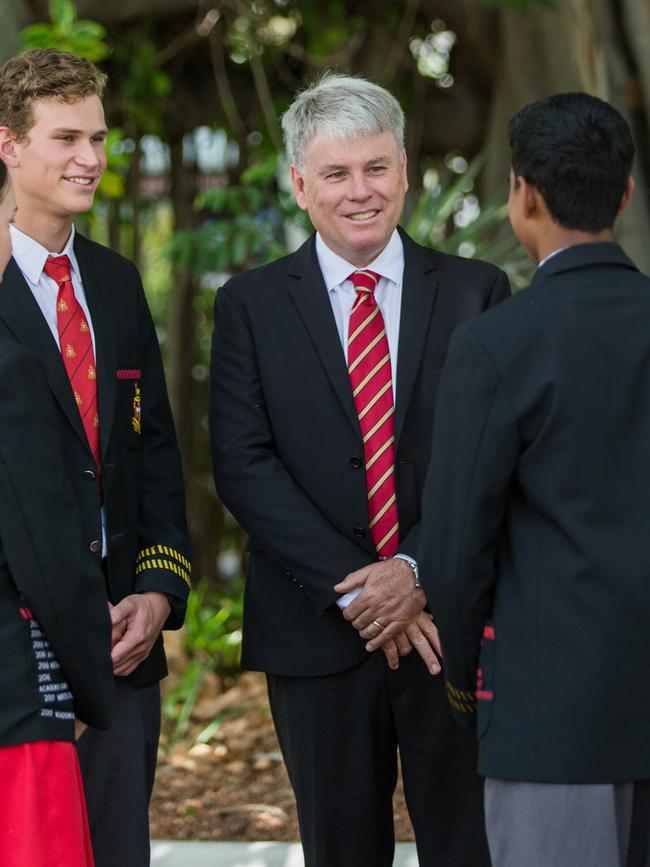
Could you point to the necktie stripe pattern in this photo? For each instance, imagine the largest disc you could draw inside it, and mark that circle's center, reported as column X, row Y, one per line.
column 76, row 349
column 372, row 388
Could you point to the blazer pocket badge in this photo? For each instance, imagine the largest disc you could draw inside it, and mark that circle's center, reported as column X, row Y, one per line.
column 135, row 421
column 133, row 374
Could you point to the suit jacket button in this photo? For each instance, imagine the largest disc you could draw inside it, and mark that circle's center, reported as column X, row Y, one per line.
column 90, row 475
column 95, row 546
column 355, row 462
column 359, row 532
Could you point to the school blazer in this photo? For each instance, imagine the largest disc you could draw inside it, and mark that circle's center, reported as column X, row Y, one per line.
column 50, row 585
column 141, row 483
column 535, row 550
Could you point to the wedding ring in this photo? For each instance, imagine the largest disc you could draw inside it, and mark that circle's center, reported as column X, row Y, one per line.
column 377, row 624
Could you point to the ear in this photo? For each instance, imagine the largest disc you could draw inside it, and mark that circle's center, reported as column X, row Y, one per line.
column 627, row 194
column 8, row 149
column 529, row 197
column 405, row 179
column 298, row 182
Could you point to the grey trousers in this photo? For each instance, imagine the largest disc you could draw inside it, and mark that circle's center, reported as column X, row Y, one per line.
column 118, row 768
column 549, row 825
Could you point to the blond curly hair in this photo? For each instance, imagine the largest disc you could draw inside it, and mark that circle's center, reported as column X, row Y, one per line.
column 44, row 73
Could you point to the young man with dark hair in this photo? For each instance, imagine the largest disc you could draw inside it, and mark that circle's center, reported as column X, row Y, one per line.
column 536, row 512
column 82, row 309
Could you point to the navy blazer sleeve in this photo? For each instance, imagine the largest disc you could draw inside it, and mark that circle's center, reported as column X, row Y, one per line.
column 474, row 452
column 500, row 292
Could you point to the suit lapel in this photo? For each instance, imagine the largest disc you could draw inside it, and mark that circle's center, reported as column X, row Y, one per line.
column 309, row 294
column 23, row 317
column 418, row 295
column 98, row 295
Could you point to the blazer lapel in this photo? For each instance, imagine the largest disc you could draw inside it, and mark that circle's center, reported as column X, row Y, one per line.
column 98, row 295
column 419, row 290
column 23, row 317
column 309, row 293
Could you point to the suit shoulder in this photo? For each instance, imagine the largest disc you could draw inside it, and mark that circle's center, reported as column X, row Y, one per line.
column 476, row 268
column 510, row 320
column 105, row 256
column 261, row 279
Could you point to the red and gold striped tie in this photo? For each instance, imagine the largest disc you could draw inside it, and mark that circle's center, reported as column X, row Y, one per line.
column 372, row 388
column 76, row 348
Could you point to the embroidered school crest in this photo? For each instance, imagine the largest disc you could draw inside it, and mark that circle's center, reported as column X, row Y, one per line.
column 135, row 421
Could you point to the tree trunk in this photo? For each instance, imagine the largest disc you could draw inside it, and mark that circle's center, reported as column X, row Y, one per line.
column 577, row 45
column 14, row 18
column 180, row 342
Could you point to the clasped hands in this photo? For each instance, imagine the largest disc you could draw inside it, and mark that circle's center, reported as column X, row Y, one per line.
column 390, row 599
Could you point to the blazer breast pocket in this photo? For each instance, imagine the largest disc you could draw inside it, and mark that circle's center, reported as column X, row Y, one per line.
column 128, row 404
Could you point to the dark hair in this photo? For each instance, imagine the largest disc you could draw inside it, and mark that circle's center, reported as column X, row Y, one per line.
column 4, row 174
column 577, row 151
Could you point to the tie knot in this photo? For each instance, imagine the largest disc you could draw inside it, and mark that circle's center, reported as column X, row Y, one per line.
column 365, row 282
column 58, row 268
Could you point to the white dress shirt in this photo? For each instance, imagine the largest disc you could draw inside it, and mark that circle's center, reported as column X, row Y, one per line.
column 30, row 256
column 389, row 264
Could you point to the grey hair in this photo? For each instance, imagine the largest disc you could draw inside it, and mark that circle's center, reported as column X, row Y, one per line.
column 341, row 107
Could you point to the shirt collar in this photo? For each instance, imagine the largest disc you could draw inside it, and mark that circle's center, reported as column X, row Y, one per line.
column 336, row 270
column 30, row 256
column 550, row 256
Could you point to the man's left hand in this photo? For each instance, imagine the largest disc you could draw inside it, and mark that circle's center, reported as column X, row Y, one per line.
column 422, row 636
column 142, row 616
column 389, row 595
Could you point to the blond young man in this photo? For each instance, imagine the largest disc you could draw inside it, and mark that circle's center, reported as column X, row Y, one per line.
column 105, row 372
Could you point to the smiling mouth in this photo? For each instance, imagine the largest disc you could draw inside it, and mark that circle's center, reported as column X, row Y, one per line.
column 82, row 182
column 362, row 217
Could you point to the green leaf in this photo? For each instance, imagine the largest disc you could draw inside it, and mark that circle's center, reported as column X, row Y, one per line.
column 239, row 248
column 213, row 199
column 62, row 13
column 112, row 185
column 88, row 30
column 36, row 36
column 261, row 172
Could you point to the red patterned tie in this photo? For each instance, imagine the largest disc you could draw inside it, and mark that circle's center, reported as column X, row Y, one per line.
column 76, row 348
column 372, row 387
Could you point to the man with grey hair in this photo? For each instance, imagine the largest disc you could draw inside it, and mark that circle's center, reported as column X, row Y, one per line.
column 324, row 372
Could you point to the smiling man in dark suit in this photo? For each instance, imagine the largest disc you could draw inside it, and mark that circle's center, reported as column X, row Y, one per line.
column 82, row 309
column 324, row 374
column 537, row 511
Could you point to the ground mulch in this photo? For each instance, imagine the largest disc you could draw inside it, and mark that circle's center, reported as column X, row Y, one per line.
column 234, row 786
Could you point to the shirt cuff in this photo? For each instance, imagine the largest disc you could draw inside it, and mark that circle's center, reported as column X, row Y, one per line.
column 345, row 600
column 407, row 558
